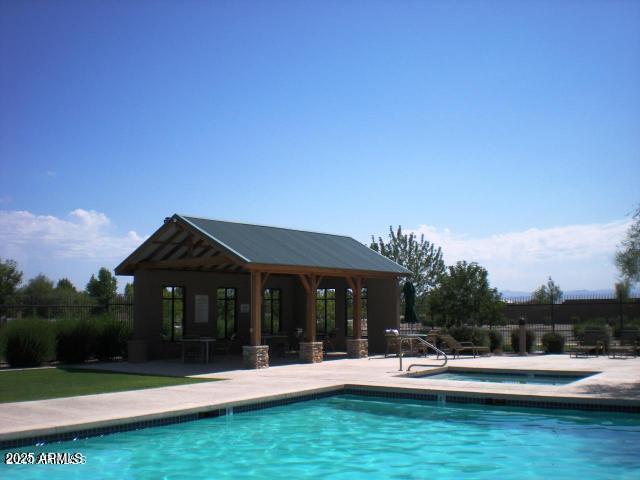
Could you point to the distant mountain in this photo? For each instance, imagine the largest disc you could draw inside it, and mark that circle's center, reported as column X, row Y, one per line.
column 602, row 293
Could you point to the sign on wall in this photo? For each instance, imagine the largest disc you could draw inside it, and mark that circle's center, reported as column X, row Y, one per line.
column 201, row 308
column 244, row 308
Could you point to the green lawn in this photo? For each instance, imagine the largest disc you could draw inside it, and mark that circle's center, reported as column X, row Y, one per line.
column 41, row 383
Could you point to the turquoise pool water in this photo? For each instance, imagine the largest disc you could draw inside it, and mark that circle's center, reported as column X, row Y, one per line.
column 524, row 378
column 348, row 437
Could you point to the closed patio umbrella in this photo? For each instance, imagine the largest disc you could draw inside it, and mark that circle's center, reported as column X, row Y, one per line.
column 410, row 315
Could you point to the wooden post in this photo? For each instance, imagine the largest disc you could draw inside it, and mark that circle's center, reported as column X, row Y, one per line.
column 310, row 327
column 310, row 284
column 255, row 326
column 357, row 312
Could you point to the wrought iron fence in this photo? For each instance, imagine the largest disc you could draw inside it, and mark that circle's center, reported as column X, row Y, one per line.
column 118, row 308
column 560, row 316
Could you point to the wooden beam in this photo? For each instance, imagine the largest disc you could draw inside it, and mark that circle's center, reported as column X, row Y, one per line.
column 351, row 284
column 163, row 244
column 183, row 263
column 310, row 313
column 255, row 324
column 170, row 253
column 326, row 272
column 305, row 283
column 265, row 276
column 318, row 280
column 357, row 310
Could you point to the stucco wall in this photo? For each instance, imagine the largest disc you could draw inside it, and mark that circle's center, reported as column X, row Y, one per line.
column 382, row 310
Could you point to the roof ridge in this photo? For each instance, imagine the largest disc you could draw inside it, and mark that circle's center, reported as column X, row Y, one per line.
column 266, row 226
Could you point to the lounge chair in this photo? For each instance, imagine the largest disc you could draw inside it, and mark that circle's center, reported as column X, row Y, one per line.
column 455, row 347
column 592, row 343
column 629, row 345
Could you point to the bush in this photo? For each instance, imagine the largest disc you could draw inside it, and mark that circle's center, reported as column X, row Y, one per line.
column 553, row 342
column 630, row 324
column 29, row 342
column 515, row 340
column 591, row 324
column 75, row 340
column 479, row 336
column 111, row 338
column 495, row 340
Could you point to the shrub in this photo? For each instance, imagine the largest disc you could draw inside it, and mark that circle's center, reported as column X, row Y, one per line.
column 479, row 336
column 111, row 338
column 553, row 342
column 29, row 342
column 495, row 340
column 75, row 340
column 515, row 340
column 591, row 324
column 603, row 332
column 631, row 324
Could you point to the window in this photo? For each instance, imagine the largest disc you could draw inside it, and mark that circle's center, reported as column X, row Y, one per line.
column 271, row 310
column 172, row 313
column 226, row 319
column 325, row 310
column 349, row 309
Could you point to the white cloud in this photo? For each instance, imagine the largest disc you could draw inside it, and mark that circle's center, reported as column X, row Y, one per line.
column 74, row 247
column 85, row 234
column 581, row 256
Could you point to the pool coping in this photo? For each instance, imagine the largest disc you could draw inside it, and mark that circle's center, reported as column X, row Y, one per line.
column 582, row 374
column 442, row 396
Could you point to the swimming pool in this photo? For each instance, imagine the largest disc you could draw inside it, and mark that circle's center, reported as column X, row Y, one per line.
column 352, row 437
column 521, row 377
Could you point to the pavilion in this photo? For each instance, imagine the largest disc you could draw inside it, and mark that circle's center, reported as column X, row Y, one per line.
column 196, row 277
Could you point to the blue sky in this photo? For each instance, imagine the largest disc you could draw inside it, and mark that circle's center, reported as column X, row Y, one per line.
column 508, row 132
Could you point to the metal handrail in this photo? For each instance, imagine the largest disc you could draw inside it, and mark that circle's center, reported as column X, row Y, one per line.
column 428, row 345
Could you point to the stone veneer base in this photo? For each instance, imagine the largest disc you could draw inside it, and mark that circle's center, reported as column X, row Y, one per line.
column 358, row 347
column 255, row 356
column 311, row 352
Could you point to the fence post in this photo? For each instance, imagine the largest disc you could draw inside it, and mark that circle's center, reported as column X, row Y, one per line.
column 522, row 338
column 553, row 322
column 621, row 313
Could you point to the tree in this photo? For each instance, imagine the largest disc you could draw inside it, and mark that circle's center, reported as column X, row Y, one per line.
column 549, row 293
column 128, row 291
column 628, row 257
column 39, row 290
column 622, row 290
column 10, row 278
column 422, row 258
column 103, row 288
column 65, row 285
column 464, row 295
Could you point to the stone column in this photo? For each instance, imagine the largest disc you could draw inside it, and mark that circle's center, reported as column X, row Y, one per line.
column 311, row 352
column 358, row 347
column 255, row 356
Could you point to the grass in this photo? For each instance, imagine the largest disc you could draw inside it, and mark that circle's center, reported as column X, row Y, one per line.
column 42, row 383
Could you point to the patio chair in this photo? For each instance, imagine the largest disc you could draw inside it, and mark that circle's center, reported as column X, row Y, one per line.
column 592, row 343
column 629, row 344
column 456, row 348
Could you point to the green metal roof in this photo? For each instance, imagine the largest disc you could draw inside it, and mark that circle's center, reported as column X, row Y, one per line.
column 283, row 246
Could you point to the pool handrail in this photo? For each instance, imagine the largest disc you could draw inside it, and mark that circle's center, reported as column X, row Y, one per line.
column 426, row 344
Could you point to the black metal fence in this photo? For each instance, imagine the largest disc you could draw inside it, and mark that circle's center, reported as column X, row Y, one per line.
column 561, row 317
column 118, row 308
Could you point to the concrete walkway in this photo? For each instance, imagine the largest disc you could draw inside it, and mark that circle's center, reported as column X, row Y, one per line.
column 618, row 382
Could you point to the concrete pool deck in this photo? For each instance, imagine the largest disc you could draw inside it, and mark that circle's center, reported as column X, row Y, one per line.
column 617, row 384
